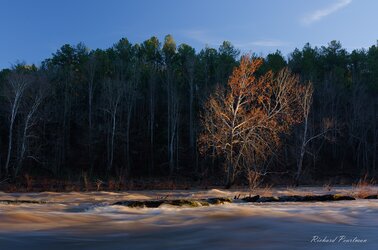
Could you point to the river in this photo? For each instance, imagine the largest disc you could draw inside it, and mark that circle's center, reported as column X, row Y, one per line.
column 90, row 221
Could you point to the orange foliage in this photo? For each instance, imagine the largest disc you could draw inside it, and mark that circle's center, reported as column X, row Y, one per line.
column 244, row 121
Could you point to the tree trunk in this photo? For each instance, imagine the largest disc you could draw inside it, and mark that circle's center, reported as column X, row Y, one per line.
column 128, row 167
column 10, row 139
column 152, row 122
column 14, row 110
column 230, row 176
column 111, row 156
column 90, row 100
column 25, row 135
column 302, row 152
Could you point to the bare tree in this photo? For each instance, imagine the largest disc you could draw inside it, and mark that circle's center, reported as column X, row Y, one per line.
column 33, row 102
column 17, row 83
column 130, row 88
column 307, row 137
column 151, row 121
column 173, row 140
column 112, row 92
column 305, row 108
column 169, row 52
column 189, row 70
column 90, row 72
column 244, row 122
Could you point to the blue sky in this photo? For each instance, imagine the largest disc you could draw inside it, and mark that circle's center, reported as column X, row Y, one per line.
column 33, row 30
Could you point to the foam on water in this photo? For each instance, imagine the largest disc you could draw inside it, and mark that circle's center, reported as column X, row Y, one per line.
column 89, row 221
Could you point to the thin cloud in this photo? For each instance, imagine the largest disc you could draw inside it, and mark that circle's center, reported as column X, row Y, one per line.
column 201, row 36
column 317, row 15
column 262, row 43
column 205, row 38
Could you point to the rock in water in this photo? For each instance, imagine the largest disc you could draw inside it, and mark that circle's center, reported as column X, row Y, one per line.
column 179, row 203
column 268, row 199
column 22, row 202
column 375, row 196
column 339, row 197
column 251, row 198
column 217, row 201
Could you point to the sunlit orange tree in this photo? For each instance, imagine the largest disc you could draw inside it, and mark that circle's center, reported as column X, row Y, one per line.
column 243, row 122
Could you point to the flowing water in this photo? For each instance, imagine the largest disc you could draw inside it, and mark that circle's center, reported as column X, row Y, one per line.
column 89, row 221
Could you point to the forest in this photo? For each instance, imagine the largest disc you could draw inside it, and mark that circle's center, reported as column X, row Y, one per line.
column 139, row 112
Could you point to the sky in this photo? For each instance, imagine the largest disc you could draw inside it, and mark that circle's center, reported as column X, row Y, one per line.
column 32, row 30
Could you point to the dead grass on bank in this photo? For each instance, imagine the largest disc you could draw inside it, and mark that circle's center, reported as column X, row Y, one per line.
column 327, row 187
column 28, row 183
column 364, row 187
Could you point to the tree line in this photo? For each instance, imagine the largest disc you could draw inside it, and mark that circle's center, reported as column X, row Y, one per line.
column 137, row 111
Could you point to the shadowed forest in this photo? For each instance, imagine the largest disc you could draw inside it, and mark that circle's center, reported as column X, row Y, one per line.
column 141, row 112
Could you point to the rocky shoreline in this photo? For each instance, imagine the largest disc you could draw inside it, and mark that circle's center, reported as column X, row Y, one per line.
column 214, row 201
column 247, row 199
